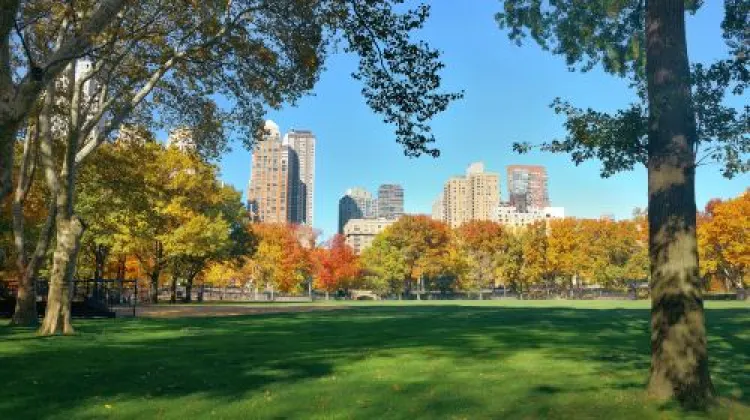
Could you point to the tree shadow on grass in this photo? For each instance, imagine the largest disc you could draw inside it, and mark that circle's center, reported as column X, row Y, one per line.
column 227, row 358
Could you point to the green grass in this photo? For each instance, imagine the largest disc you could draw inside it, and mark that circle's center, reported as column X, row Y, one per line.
column 433, row 360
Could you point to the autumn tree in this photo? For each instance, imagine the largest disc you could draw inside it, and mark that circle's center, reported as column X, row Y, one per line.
column 511, row 263
column 483, row 243
column 280, row 261
column 612, row 252
column 384, row 266
column 113, row 195
column 336, row 266
column 423, row 244
column 680, row 113
column 535, row 268
column 565, row 252
column 724, row 241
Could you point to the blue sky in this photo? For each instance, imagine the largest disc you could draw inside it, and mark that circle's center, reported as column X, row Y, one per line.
column 507, row 93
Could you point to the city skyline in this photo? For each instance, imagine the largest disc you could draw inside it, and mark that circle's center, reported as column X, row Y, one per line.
column 359, row 148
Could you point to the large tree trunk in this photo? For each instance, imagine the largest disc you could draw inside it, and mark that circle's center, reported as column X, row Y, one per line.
column 679, row 359
column 8, row 130
column 57, row 317
column 100, row 258
column 173, row 290
column 9, row 121
column 25, row 313
column 188, row 290
column 121, row 267
column 156, row 272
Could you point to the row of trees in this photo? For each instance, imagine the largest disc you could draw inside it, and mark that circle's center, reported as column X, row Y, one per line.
column 420, row 254
column 561, row 254
column 149, row 210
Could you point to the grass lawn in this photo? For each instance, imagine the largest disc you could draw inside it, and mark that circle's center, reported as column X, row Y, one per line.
column 433, row 360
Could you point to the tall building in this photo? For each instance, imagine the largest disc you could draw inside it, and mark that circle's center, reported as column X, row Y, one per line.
column 455, row 201
column 472, row 197
column 360, row 233
column 301, row 145
column 268, row 191
column 357, row 203
column 484, row 191
column 390, row 201
column 527, row 186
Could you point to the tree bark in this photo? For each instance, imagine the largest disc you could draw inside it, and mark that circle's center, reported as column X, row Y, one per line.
column 173, row 290
column 189, row 288
column 57, row 317
column 69, row 227
column 100, row 258
column 679, row 358
column 25, row 314
column 156, row 271
column 121, row 267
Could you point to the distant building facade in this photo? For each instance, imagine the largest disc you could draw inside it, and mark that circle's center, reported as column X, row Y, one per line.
column 510, row 216
column 301, row 145
column 360, row 233
column 390, row 201
column 357, row 203
column 472, row 197
column 527, row 187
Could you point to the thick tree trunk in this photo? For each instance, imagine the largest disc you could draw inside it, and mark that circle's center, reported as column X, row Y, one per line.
column 154, row 291
column 121, row 268
column 173, row 290
column 100, row 258
column 25, row 314
column 57, row 317
column 679, row 359
column 8, row 132
column 156, row 271
column 188, row 290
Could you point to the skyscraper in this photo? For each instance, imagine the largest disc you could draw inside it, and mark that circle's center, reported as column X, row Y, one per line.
column 301, row 145
column 473, row 197
column 357, row 203
column 390, row 201
column 527, row 186
column 268, row 191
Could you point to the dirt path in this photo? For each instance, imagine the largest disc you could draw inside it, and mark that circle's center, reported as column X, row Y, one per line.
column 182, row 311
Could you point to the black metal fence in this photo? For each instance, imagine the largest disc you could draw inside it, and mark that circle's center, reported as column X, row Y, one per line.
column 89, row 298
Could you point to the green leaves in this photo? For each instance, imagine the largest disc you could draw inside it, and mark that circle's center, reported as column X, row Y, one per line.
column 612, row 33
column 401, row 76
